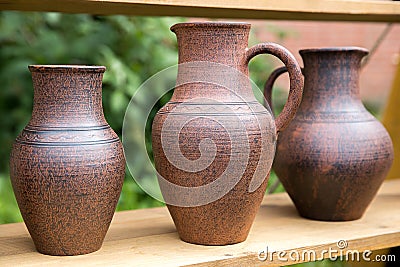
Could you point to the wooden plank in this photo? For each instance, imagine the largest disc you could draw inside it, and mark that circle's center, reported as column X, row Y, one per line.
column 325, row 10
column 148, row 237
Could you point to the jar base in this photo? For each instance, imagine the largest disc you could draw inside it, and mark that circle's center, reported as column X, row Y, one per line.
column 330, row 218
column 203, row 242
column 62, row 251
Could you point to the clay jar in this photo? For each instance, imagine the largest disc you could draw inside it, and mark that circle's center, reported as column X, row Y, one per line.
column 334, row 155
column 67, row 165
column 213, row 143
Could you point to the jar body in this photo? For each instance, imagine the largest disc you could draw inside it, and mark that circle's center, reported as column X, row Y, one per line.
column 334, row 155
column 67, row 166
column 213, row 202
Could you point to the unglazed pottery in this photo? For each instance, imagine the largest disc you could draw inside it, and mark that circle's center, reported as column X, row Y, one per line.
column 67, row 165
column 334, row 155
column 213, row 143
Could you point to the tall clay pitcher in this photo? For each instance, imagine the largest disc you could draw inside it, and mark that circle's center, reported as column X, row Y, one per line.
column 213, row 143
column 334, row 155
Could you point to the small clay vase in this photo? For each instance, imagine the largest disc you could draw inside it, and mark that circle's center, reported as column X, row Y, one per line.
column 67, row 165
column 334, row 155
column 213, row 143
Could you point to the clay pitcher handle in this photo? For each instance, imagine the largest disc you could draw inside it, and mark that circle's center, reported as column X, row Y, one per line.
column 270, row 83
column 295, row 76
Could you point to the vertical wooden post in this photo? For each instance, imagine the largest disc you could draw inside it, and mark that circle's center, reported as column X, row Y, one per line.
column 391, row 120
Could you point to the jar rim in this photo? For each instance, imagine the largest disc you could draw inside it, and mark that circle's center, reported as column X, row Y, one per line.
column 334, row 49
column 87, row 68
column 209, row 24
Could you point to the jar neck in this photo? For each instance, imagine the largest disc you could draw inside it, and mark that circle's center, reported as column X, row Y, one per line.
column 222, row 43
column 212, row 62
column 67, row 98
column 331, row 78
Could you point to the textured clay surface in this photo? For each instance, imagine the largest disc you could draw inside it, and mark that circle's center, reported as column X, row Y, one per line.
column 334, row 155
column 232, row 119
column 67, row 166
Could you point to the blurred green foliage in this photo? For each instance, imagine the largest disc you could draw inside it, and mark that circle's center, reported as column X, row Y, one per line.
column 132, row 48
column 9, row 211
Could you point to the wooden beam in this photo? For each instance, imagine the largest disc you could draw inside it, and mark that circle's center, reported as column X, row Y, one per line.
column 324, row 10
column 148, row 237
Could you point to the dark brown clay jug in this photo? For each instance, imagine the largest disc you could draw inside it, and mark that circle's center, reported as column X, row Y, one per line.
column 213, row 143
column 67, row 165
column 334, row 155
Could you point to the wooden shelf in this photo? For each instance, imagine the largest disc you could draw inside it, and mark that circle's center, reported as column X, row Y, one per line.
column 331, row 10
column 148, row 237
